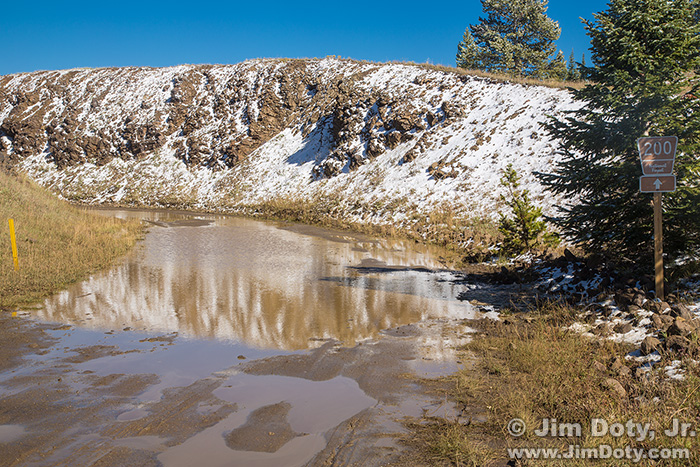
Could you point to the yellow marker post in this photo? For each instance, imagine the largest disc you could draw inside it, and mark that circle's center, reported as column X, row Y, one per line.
column 14, row 244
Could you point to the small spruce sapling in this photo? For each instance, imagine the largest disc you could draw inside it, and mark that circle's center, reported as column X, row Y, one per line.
column 525, row 230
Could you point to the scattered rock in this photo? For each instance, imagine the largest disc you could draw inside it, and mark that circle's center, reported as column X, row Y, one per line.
column 639, row 300
column 657, row 306
column 451, row 110
column 680, row 310
column 603, row 329
column 623, row 328
column 615, row 386
column 681, row 327
column 599, row 367
column 441, row 170
column 661, row 322
column 649, row 345
column 569, row 256
column 677, row 343
column 619, row 367
column 641, row 373
column 432, row 119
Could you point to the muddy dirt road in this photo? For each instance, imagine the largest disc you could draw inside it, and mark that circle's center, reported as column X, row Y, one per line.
column 225, row 342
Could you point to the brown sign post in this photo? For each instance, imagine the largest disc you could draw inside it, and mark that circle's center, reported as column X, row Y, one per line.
column 657, row 155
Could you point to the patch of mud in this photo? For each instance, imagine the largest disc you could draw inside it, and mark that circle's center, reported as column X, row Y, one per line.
column 19, row 336
column 338, row 236
column 175, row 416
column 122, row 398
column 389, row 369
column 92, row 352
column 182, row 223
column 119, row 385
column 266, row 430
column 170, row 338
column 11, row 433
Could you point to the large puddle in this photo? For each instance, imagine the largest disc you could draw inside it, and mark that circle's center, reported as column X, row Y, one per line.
column 265, row 285
column 170, row 329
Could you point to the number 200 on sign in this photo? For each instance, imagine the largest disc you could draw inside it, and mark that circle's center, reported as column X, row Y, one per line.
column 657, row 147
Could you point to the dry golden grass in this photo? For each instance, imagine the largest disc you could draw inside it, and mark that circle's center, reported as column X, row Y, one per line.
column 460, row 240
column 504, row 78
column 445, row 443
column 57, row 243
column 550, row 83
column 535, row 369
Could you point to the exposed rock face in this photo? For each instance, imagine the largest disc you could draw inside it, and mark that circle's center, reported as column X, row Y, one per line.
column 369, row 136
column 211, row 116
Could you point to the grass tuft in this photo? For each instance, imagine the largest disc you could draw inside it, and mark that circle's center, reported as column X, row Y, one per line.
column 461, row 240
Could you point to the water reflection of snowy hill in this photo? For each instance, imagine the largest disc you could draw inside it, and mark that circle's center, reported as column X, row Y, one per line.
column 261, row 285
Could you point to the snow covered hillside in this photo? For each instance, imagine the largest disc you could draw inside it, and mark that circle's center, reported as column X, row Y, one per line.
column 377, row 143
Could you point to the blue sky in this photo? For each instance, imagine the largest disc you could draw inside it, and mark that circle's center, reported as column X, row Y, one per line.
column 41, row 35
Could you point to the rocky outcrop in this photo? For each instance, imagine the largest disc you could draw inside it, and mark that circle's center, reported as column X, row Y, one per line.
column 210, row 116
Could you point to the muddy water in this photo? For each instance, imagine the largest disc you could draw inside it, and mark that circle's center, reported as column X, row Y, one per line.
column 264, row 285
column 226, row 341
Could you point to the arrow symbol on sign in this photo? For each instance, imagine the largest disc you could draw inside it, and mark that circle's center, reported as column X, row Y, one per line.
column 658, row 184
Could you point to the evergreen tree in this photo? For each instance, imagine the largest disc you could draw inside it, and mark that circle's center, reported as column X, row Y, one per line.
column 525, row 230
column 468, row 53
column 573, row 72
column 583, row 74
column 516, row 37
column 644, row 53
column 557, row 68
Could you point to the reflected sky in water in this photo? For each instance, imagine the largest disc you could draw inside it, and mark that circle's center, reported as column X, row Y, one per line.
column 262, row 284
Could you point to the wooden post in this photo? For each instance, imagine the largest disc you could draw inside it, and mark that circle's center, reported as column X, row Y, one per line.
column 658, row 248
